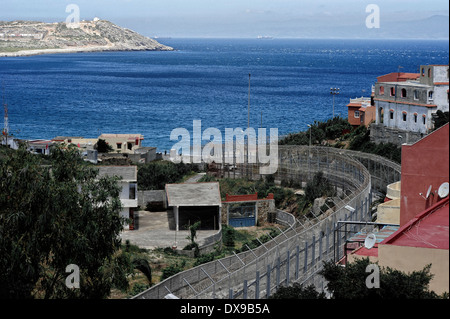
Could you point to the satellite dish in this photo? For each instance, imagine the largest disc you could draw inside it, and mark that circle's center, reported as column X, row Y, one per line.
column 370, row 241
column 428, row 192
column 443, row 190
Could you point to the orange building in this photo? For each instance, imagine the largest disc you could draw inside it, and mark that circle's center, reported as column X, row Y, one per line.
column 361, row 112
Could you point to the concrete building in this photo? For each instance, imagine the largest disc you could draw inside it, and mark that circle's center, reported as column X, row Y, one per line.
column 192, row 202
column 421, row 210
column 39, row 146
column 128, row 184
column 247, row 210
column 123, row 143
column 361, row 112
column 425, row 166
column 120, row 143
column 423, row 240
column 406, row 101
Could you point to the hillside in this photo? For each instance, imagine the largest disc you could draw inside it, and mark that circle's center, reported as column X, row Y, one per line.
column 19, row 38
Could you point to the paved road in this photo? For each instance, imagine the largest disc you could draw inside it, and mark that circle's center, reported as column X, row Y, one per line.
column 154, row 232
column 195, row 179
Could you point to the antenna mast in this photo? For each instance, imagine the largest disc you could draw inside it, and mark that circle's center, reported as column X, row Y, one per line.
column 5, row 107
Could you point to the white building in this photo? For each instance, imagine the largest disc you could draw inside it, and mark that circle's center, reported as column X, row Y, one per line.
column 406, row 101
column 128, row 195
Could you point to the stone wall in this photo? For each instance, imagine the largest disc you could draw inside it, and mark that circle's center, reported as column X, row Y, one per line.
column 383, row 134
column 263, row 207
column 155, row 199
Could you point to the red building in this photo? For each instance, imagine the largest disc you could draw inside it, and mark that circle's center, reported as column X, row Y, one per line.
column 425, row 166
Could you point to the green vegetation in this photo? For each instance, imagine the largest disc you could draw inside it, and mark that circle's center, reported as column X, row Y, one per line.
column 440, row 119
column 321, row 132
column 360, row 141
column 284, row 196
column 349, row 282
column 55, row 215
column 298, row 291
column 156, row 175
column 102, row 147
column 337, row 132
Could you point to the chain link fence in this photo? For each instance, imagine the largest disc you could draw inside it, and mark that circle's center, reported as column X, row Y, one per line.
column 297, row 254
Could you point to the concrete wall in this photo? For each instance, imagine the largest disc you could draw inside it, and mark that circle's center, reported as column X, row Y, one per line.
column 263, row 207
column 389, row 212
column 408, row 259
column 154, row 197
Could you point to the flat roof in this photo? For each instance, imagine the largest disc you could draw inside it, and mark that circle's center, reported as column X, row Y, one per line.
column 380, row 236
column 128, row 173
column 193, row 194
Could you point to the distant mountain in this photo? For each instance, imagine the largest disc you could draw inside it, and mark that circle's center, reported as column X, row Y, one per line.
column 29, row 38
column 434, row 27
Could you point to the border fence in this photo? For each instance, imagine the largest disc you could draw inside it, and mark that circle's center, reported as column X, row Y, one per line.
column 297, row 254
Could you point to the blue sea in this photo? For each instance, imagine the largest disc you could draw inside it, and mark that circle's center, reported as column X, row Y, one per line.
column 152, row 93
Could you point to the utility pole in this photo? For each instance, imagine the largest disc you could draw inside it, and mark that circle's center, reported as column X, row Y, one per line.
column 334, row 91
column 5, row 124
column 248, row 111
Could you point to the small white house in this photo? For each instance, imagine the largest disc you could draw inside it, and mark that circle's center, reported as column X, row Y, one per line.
column 128, row 195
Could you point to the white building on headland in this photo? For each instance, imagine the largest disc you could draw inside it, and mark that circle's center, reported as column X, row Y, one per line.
column 407, row 101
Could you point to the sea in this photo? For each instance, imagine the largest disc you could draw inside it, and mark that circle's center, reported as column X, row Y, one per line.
column 225, row 83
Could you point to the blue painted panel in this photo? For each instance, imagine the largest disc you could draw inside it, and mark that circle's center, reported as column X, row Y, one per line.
column 242, row 222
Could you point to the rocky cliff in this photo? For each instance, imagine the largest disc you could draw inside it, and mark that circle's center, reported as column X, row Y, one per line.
column 28, row 38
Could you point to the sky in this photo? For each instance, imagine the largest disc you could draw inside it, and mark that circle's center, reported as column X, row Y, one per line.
column 237, row 18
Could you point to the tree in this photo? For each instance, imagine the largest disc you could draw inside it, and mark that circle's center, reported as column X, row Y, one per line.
column 298, row 291
column 55, row 215
column 349, row 282
column 440, row 119
column 103, row 147
column 318, row 187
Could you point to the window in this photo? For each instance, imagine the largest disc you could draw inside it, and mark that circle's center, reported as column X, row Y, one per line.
column 423, row 71
column 430, row 95
column 119, row 146
column 415, row 117
column 356, row 114
column 424, row 119
column 429, row 72
column 404, row 115
column 391, row 114
column 132, row 193
column 392, row 91
column 403, row 94
column 130, row 146
column 416, row 95
column 381, row 91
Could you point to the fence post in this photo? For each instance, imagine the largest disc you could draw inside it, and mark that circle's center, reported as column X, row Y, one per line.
column 305, row 265
column 230, row 293
column 257, row 285
column 288, row 262
column 320, row 245
column 268, row 281
column 278, row 273
column 313, row 250
column 245, row 289
column 297, row 261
